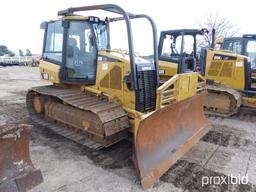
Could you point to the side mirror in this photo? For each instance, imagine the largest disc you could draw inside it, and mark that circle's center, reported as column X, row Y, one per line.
column 204, row 31
column 220, row 40
column 43, row 25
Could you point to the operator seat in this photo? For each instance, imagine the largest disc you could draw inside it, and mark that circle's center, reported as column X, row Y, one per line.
column 73, row 50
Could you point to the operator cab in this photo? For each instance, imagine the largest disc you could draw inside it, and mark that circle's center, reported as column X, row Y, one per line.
column 180, row 47
column 73, row 42
column 245, row 45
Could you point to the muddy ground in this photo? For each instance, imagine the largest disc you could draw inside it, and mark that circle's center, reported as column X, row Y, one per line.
column 229, row 148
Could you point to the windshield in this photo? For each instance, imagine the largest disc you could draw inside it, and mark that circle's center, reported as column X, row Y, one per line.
column 172, row 46
column 251, row 52
column 234, row 45
column 53, row 42
column 100, row 30
column 169, row 47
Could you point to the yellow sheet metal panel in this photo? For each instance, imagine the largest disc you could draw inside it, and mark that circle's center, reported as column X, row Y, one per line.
column 187, row 85
column 226, row 68
column 249, row 101
column 50, row 71
column 239, row 74
column 167, row 69
column 110, row 74
column 75, row 17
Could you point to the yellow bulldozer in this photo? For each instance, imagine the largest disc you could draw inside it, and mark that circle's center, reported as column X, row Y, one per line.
column 100, row 95
column 243, row 45
column 229, row 75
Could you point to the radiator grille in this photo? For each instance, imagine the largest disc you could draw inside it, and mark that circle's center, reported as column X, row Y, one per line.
column 226, row 69
column 214, row 68
column 146, row 93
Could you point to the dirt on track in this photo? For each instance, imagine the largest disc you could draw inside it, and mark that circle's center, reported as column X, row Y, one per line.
column 229, row 148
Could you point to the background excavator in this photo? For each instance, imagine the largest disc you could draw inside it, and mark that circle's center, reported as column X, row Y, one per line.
column 228, row 74
column 100, row 95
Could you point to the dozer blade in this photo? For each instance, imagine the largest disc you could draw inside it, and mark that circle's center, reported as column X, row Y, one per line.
column 166, row 135
column 17, row 173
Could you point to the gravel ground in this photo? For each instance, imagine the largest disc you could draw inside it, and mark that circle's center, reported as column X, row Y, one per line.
column 229, row 148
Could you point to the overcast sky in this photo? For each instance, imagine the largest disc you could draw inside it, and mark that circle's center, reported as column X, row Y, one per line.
column 20, row 20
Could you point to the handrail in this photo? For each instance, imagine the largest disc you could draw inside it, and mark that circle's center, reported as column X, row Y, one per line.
column 201, row 84
column 160, row 98
column 179, row 87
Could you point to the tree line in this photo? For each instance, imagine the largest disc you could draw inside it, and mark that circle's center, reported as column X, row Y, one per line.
column 28, row 53
column 222, row 25
column 5, row 51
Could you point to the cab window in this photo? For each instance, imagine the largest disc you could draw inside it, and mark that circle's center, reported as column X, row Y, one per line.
column 54, row 42
column 173, row 48
column 100, row 30
column 169, row 47
column 81, row 52
column 237, row 47
column 251, row 52
column 233, row 45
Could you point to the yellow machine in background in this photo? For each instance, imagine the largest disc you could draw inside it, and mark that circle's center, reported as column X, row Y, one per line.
column 244, row 45
column 228, row 75
column 99, row 95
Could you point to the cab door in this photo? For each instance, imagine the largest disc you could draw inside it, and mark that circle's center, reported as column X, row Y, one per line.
column 79, row 53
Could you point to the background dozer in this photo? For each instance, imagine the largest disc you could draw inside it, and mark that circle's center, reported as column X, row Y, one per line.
column 228, row 75
column 245, row 45
column 99, row 95
column 17, row 173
